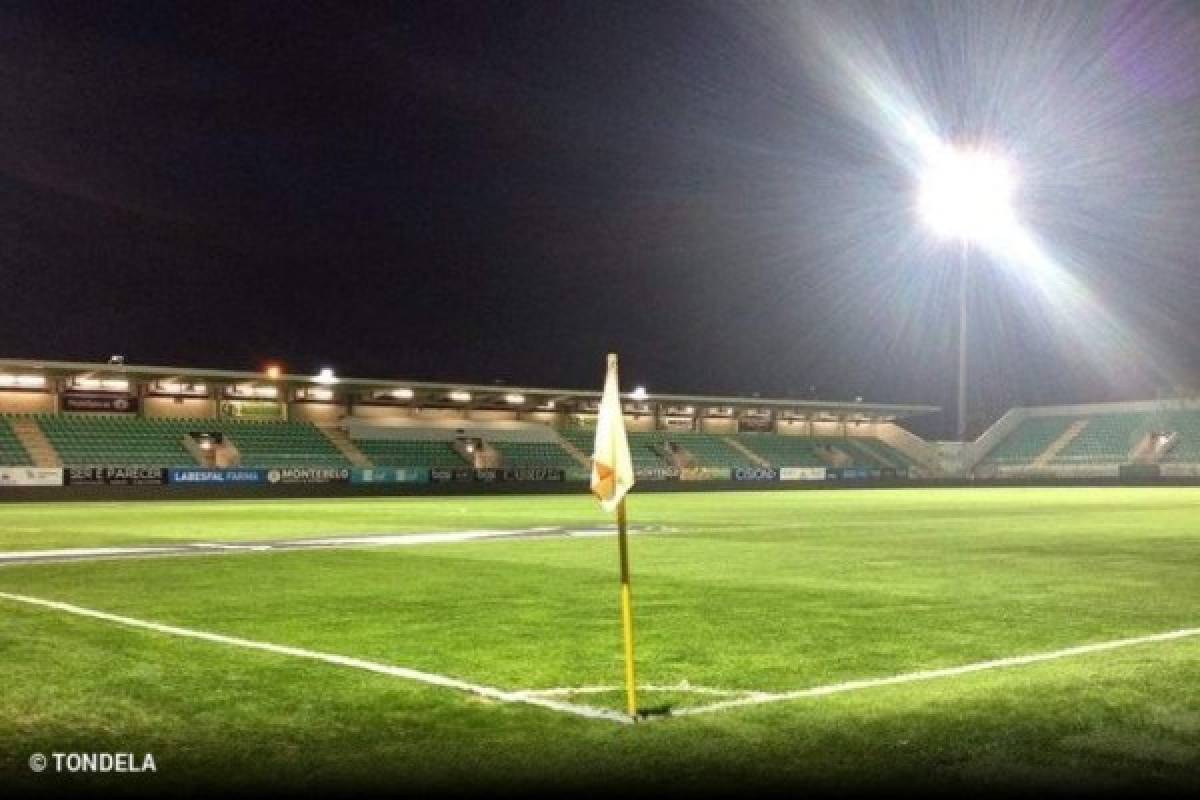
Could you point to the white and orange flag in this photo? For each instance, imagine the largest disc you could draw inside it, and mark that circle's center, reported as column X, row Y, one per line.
column 612, row 466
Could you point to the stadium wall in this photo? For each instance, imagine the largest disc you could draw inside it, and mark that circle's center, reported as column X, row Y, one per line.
column 326, row 414
column 179, row 407
column 168, row 493
column 17, row 402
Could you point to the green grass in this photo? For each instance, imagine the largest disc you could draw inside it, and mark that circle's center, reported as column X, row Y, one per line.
column 760, row 591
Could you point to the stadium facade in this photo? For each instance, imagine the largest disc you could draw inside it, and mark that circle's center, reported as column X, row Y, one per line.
column 104, row 424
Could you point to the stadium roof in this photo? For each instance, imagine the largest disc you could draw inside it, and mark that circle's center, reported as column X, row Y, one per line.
column 436, row 393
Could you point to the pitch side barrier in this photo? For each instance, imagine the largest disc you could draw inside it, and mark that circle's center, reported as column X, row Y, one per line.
column 23, row 484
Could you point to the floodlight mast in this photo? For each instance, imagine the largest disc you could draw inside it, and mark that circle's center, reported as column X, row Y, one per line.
column 966, row 194
column 963, row 272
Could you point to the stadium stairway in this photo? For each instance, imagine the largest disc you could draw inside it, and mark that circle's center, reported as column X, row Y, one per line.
column 1061, row 443
column 782, row 451
column 1026, row 441
column 338, row 438
column 583, row 459
column 41, row 452
column 746, row 451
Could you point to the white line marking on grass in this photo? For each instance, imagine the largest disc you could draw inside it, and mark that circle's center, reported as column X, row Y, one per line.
column 324, row 543
column 82, row 552
column 559, row 691
column 543, row 697
column 933, row 674
column 429, row 678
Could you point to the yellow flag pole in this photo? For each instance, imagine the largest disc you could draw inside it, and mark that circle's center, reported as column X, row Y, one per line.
column 627, row 614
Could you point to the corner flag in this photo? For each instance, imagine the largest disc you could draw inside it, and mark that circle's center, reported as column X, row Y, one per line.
column 612, row 478
column 612, row 467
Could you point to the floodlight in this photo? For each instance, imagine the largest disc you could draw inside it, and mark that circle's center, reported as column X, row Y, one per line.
column 639, row 393
column 274, row 371
column 326, row 375
column 967, row 194
column 22, row 381
column 460, row 396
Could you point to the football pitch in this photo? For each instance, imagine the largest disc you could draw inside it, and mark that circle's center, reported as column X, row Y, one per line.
column 835, row 640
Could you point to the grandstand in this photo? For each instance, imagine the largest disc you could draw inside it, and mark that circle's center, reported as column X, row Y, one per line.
column 534, row 454
column 85, row 439
column 55, row 415
column 783, row 451
column 65, row 414
column 404, row 453
column 1028, row 440
column 1097, row 439
column 12, row 452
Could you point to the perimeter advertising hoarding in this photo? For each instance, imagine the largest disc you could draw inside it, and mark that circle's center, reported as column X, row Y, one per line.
column 755, row 474
column 115, row 476
column 519, row 474
column 1139, row 471
column 197, row 477
column 308, row 475
column 754, row 424
column 390, row 475
column 802, row 473
column 705, row 474
column 451, row 474
column 656, row 473
column 31, row 476
column 107, row 403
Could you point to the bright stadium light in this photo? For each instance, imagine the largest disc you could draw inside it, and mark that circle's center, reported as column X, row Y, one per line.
column 639, row 393
column 326, row 375
column 966, row 194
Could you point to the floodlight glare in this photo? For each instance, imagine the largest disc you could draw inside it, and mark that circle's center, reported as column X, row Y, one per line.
column 967, row 194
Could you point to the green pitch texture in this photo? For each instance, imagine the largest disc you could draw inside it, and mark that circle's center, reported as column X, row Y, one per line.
column 768, row 591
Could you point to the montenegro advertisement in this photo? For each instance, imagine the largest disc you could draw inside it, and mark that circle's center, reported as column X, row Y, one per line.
column 308, row 475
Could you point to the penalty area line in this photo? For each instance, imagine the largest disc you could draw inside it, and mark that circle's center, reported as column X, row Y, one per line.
column 419, row 676
column 934, row 674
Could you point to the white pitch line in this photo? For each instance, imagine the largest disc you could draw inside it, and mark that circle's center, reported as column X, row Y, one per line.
column 569, row 690
column 82, row 552
column 430, row 678
column 539, row 698
column 185, row 548
column 933, row 674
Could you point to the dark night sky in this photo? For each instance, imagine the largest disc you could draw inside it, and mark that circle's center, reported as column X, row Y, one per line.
column 508, row 190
